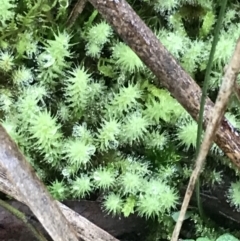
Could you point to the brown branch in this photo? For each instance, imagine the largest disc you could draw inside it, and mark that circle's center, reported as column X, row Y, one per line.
column 237, row 90
column 217, row 114
column 77, row 9
column 85, row 229
column 11, row 227
column 18, row 180
column 180, row 84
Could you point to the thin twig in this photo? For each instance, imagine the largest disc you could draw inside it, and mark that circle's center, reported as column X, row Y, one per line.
column 76, row 11
column 224, row 94
column 237, row 90
column 21, row 216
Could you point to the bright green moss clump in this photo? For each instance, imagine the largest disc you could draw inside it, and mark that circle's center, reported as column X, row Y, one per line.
column 83, row 108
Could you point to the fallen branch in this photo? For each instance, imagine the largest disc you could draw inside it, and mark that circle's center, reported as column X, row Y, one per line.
column 76, row 11
column 32, row 191
column 141, row 39
column 13, row 228
column 18, row 180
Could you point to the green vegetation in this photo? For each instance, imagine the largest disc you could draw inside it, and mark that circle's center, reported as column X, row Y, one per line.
column 82, row 107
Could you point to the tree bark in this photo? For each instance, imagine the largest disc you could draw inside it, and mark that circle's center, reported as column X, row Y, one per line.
column 85, row 229
column 18, row 180
column 32, row 190
column 170, row 74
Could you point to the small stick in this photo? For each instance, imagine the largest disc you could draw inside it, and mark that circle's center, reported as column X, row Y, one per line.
column 237, row 90
column 224, row 94
column 21, row 216
column 78, row 8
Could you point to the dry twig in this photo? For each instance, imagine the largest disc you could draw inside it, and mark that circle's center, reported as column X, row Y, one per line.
column 224, row 94
column 237, row 90
column 77, row 9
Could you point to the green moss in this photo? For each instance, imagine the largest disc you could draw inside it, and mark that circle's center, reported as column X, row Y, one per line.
column 82, row 107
